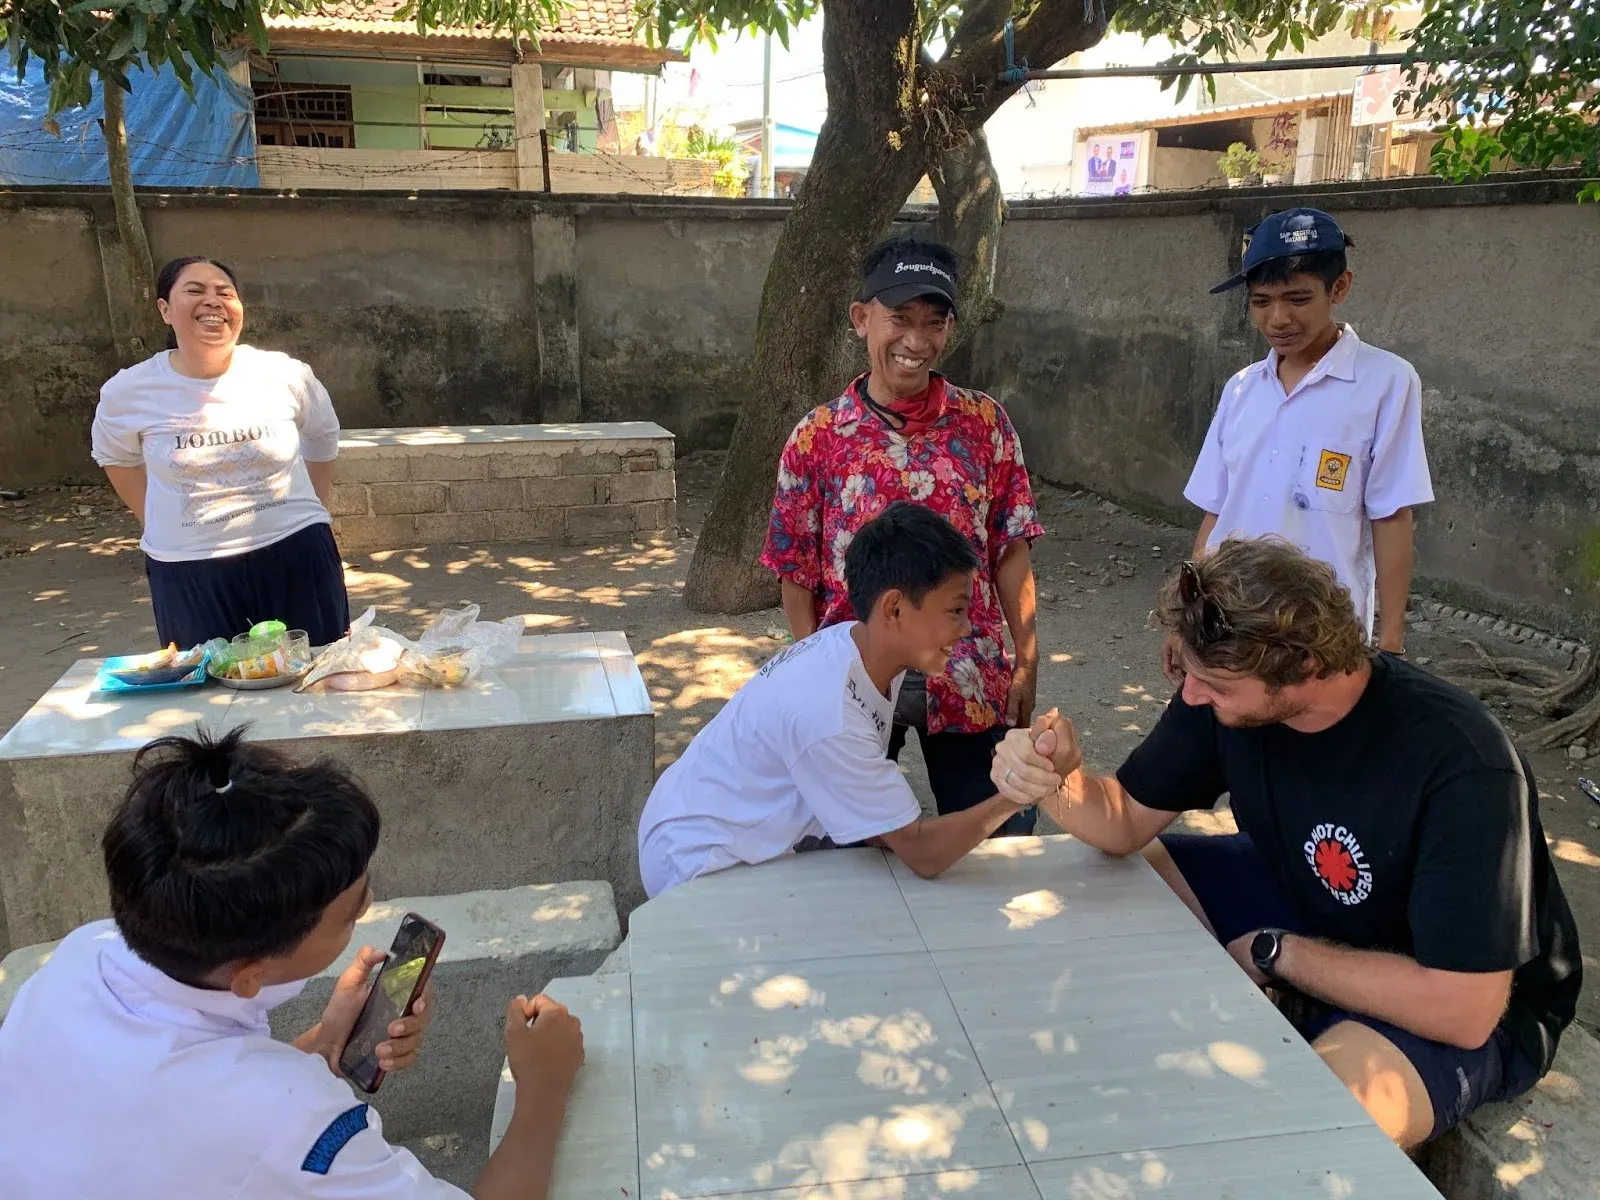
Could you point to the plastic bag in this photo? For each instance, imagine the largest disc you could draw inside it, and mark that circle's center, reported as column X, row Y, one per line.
column 365, row 658
column 456, row 646
column 453, row 649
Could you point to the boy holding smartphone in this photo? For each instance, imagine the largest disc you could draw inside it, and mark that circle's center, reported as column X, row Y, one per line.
column 139, row 1062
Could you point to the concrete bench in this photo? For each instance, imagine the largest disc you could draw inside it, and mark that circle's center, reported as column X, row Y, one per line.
column 537, row 770
column 397, row 488
column 1542, row 1146
column 498, row 944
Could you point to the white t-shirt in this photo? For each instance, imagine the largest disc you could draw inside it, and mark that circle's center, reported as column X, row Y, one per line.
column 1317, row 466
column 225, row 458
column 122, row 1082
column 799, row 752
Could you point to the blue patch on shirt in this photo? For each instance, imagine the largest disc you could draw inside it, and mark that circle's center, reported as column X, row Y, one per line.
column 334, row 1138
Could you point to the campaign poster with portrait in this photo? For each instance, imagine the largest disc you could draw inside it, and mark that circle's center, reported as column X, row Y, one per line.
column 1112, row 166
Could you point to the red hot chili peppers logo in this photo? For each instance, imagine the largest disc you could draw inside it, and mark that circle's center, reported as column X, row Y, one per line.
column 1336, row 857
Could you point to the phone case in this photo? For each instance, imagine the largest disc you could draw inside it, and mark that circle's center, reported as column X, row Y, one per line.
column 416, row 991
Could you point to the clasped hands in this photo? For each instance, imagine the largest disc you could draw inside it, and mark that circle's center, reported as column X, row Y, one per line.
column 1031, row 764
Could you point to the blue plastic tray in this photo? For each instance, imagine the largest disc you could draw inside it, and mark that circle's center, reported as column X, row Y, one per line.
column 104, row 681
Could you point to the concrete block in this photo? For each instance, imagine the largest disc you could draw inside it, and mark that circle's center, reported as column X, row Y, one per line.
column 567, row 492
column 600, row 520
column 375, row 533
column 591, row 463
column 401, row 498
column 618, row 962
column 434, row 528
column 639, row 460
column 497, row 944
column 482, row 496
column 658, row 516
column 649, row 485
column 529, row 525
column 440, row 464
column 537, row 463
column 1540, row 1146
column 349, row 500
column 358, row 466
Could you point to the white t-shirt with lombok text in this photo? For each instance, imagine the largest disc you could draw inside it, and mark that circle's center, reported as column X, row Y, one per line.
column 799, row 752
column 225, row 458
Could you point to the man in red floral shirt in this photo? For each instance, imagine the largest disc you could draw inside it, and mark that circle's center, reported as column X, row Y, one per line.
column 903, row 432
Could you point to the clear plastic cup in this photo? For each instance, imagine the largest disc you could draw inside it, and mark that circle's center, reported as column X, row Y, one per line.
column 296, row 647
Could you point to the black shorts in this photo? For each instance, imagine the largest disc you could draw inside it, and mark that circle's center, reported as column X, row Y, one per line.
column 298, row 580
column 1229, row 878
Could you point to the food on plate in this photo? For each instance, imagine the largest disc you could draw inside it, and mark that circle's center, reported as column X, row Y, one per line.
column 365, row 668
column 160, row 666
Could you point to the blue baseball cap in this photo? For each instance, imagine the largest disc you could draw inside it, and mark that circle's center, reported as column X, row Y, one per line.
column 1284, row 235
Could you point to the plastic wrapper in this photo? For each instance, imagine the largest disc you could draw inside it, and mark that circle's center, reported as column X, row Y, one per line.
column 453, row 649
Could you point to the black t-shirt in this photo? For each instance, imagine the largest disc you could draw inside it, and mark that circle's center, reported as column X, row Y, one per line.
column 1411, row 826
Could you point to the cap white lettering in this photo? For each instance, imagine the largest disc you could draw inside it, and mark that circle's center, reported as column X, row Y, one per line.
column 930, row 268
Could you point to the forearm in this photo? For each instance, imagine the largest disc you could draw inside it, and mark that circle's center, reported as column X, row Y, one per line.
column 934, row 844
column 1095, row 810
column 321, row 481
column 521, row 1165
column 1204, row 536
column 799, row 609
column 1014, row 581
column 129, row 483
column 1442, row 1006
column 1394, row 552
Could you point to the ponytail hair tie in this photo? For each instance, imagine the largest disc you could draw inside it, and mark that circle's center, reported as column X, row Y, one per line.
column 225, row 788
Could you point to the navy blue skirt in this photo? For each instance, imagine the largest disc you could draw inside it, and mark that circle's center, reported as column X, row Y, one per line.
column 298, row 580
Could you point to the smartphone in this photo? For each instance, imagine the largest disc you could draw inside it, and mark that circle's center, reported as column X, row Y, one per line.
column 400, row 981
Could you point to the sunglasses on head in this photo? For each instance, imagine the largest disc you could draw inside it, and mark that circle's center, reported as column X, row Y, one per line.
column 1214, row 623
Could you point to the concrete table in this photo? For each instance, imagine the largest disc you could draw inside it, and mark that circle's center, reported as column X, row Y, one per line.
column 1042, row 1021
column 533, row 773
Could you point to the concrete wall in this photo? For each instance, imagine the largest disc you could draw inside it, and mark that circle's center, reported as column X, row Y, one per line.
column 460, row 309
column 1111, row 354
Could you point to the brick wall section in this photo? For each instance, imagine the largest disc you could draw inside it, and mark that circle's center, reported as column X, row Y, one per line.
column 397, row 488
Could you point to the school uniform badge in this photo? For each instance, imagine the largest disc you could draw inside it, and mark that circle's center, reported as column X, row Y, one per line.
column 1332, row 470
column 333, row 1139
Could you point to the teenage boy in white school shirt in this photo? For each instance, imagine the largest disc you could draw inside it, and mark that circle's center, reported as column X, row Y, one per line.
column 798, row 757
column 1321, row 441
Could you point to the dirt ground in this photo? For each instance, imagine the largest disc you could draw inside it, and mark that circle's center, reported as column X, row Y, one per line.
column 72, row 586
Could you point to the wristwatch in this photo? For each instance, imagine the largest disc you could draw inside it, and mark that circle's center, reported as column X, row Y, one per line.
column 1264, row 950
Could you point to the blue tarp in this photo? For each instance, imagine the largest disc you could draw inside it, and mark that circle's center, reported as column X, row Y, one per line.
column 174, row 139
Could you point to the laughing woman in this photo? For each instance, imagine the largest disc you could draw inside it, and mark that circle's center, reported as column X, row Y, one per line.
column 225, row 455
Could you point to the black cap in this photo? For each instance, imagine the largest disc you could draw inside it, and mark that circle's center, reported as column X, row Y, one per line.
column 908, row 273
column 1286, row 234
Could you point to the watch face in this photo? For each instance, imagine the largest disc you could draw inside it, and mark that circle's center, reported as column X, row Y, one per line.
column 1264, row 946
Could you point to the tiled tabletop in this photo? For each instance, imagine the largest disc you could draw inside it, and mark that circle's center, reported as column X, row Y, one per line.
column 1041, row 1022
column 554, row 677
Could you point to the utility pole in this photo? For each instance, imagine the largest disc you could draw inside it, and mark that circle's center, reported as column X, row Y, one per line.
column 767, row 127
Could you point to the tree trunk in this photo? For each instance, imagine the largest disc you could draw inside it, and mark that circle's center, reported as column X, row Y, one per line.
column 869, row 155
column 972, row 210
column 891, row 119
column 146, row 332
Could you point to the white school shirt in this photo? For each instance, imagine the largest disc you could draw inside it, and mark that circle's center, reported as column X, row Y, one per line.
column 1319, row 465
column 119, row 1083
column 226, row 457
column 799, row 752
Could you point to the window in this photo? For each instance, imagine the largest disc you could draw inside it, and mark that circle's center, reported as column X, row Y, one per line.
column 312, row 115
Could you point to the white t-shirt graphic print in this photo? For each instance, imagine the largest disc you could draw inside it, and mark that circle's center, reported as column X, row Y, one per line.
column 225, row 458
column 798, row 752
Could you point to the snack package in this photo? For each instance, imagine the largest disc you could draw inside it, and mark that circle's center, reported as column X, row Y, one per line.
column 456, row 646
column 367, row 657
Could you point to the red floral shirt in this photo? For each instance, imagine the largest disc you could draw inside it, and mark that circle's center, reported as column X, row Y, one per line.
column 843, row 465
